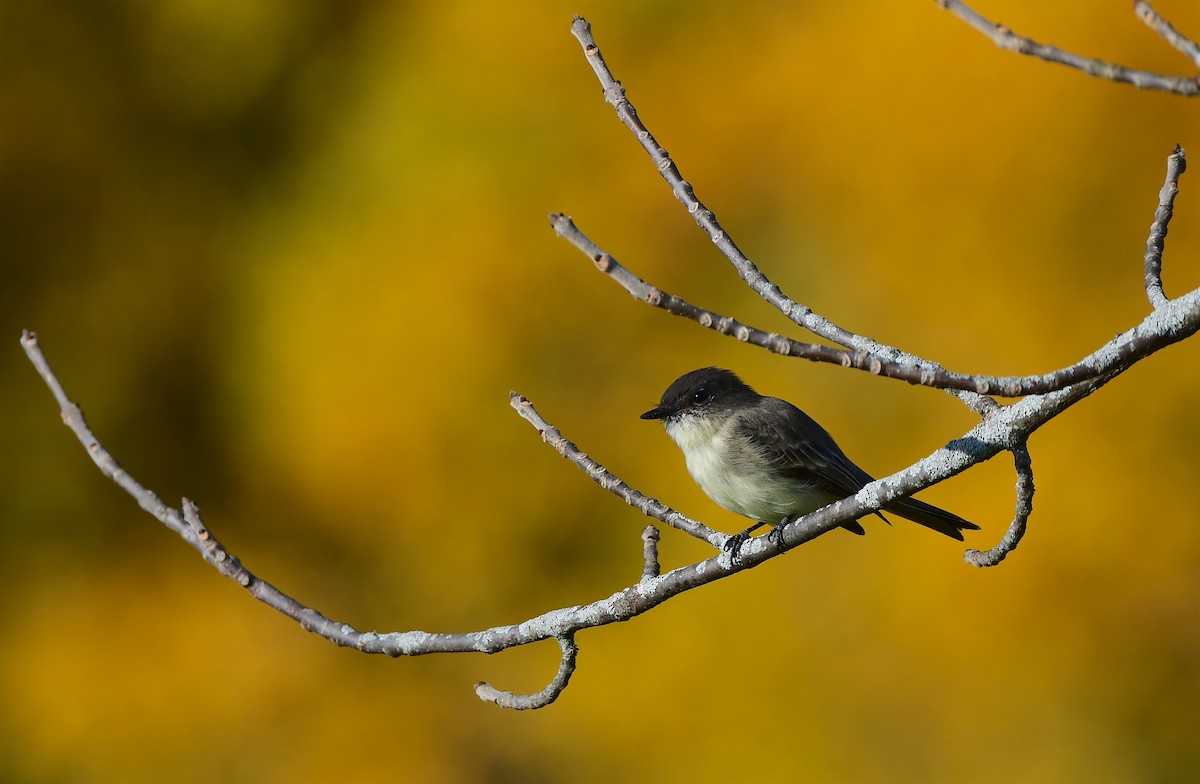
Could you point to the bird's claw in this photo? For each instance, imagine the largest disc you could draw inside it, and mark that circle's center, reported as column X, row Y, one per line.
column 734, row 543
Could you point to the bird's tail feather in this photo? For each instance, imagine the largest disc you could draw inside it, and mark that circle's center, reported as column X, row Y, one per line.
column 930, row 516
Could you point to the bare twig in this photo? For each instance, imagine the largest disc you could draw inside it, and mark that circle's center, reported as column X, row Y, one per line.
column 1147, row 14
column 650, row 567
column 506, row 699
column 1005, row 38
column 924, row 373
column 72, row 417
column 1176, row 164
column 614, row 94
column 600, row 475
column 1016, row 529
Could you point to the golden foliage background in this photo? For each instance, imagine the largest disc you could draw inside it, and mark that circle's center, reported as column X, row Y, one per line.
column 290, row 258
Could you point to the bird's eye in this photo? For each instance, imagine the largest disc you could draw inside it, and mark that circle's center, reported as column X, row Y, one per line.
column 701, row 396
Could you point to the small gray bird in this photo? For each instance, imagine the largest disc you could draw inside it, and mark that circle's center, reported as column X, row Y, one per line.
column 763, row 458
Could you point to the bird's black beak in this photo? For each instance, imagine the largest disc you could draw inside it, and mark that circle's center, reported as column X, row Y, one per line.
column 656, row 413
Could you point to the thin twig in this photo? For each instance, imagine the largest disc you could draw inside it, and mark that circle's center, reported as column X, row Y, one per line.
column 865, row 353
column 599, row 474
column 1176, row 163
column 924, row 373
column 191, row 528
column 1024, row 508
column 801, row 315
column 1006, row 39
column 506, row 699
column 1002, row 428
column 650, row 566
column 1158, row 24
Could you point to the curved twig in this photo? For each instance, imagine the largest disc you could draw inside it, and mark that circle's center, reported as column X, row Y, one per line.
column 1016, row 529
column 506, row 699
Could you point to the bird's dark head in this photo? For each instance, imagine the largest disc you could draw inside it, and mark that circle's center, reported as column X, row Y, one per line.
column 707, row 392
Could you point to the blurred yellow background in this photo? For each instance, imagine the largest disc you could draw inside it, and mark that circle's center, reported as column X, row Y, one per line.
column 290, row 257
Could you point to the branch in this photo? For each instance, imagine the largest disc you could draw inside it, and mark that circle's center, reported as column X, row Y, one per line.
column 651, row 590
column 1169, row 322
column 863, row 353
column 614, row 93
column 1002, row 428
column 561, row 624
column 924, row 372
column 1006, row 39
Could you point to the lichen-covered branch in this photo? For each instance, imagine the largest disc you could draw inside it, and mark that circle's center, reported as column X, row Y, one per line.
column 1016, row 529
column 506, row 699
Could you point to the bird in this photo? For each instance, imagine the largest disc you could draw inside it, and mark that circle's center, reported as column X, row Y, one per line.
column 765, row 459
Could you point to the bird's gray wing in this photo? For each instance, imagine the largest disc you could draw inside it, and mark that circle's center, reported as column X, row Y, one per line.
column 800, row 448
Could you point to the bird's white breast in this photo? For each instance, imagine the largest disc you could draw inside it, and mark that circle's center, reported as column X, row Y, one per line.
column 732, row 473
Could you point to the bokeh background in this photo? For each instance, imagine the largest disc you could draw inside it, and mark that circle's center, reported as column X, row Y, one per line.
column 290, row 257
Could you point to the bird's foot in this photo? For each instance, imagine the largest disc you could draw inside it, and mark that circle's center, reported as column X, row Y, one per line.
column 775, row 535
column 734, row 543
